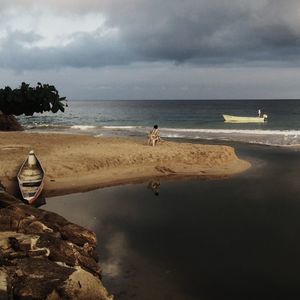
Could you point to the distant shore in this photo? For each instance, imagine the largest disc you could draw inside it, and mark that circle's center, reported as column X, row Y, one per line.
column 76, row 163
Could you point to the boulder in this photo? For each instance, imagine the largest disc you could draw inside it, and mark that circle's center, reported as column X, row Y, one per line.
column 43, row 256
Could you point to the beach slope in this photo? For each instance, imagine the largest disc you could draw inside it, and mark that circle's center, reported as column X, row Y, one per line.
column 75, row 163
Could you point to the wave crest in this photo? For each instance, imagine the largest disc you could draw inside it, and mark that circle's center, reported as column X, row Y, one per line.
column 83, row 127
column 253, row 136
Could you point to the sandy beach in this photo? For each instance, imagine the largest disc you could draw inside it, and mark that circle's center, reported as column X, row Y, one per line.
column 75, row 163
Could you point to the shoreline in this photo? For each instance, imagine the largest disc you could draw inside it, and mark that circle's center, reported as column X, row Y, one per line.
column 78, row 163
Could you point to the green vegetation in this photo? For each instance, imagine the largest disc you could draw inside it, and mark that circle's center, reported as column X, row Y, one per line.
column 29, row 100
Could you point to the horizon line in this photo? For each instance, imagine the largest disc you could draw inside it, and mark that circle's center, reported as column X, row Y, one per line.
column 209, row 99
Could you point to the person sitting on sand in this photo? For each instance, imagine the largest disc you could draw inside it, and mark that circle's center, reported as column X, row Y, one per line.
column 154, row 136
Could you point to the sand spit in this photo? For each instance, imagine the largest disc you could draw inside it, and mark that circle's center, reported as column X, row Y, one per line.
column 76, row 163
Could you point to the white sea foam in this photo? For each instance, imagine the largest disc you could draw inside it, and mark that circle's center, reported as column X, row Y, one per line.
column 181, row 132
column 237, row 131
column 255, row 136
column 121, row 127
column 252, row 136
column 83, row 127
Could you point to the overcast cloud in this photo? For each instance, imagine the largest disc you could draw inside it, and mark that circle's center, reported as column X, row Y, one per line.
column 210, row 35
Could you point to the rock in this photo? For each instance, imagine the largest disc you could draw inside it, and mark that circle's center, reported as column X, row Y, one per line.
column 9, row 123
column 82, row 283
column 78, row 235
column 43, row 256
column 3, row 283
column 37, row 277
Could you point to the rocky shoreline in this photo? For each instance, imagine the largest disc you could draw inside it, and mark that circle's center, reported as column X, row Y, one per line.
column 43, row 256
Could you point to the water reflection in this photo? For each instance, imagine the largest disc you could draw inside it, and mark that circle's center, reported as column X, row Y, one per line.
column 154, row 186
column 224, row 239
column 41, row 201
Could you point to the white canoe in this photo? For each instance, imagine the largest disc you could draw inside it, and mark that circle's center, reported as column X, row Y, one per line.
column 31, row 178
column 237, row 119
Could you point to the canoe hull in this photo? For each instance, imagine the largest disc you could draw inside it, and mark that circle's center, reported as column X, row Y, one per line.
column 237, row 119
column 31, row 179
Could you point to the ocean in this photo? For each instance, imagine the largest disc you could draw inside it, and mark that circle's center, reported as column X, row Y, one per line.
column 181, row 119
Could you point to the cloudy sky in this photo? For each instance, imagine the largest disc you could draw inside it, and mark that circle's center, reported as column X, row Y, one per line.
column 153, row 49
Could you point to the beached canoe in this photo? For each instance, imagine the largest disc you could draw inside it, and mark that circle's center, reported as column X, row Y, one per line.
column 31, row 178
column 237, row 119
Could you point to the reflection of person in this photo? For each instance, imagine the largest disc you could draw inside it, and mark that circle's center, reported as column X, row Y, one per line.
column 154, row 136
column 154, row 185
column 259, row 113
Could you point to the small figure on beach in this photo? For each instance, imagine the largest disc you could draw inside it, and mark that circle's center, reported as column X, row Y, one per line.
column 259, row 113
column 154, row 186
column 154, row 136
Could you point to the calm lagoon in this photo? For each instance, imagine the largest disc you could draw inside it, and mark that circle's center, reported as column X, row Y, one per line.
column 235, row 238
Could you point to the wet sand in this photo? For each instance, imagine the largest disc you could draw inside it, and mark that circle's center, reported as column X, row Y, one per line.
column 76, row 163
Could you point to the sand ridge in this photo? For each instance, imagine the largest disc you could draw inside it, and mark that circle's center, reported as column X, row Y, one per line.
column 80, row 162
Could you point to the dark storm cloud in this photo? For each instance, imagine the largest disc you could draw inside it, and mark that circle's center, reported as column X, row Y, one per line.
column 210, row 30
column 195, row 31
column 85, row 50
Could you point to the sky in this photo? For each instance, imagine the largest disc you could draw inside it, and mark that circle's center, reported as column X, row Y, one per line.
column 150, row 49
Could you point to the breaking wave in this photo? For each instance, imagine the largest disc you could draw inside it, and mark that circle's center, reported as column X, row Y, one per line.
column 83, row 127
column 253, row 136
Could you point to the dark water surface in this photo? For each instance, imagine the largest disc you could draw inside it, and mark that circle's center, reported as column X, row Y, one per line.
column 237, row 238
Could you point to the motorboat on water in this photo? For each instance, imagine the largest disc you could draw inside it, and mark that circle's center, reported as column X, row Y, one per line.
column 239, row 119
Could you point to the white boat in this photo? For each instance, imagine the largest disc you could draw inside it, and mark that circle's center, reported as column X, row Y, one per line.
column 238, row 119
column 31, row 178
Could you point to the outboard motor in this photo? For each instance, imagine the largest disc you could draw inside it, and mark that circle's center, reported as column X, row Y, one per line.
column 265, row 116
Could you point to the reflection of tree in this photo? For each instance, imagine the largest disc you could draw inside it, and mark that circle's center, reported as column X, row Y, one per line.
column 154, row 185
